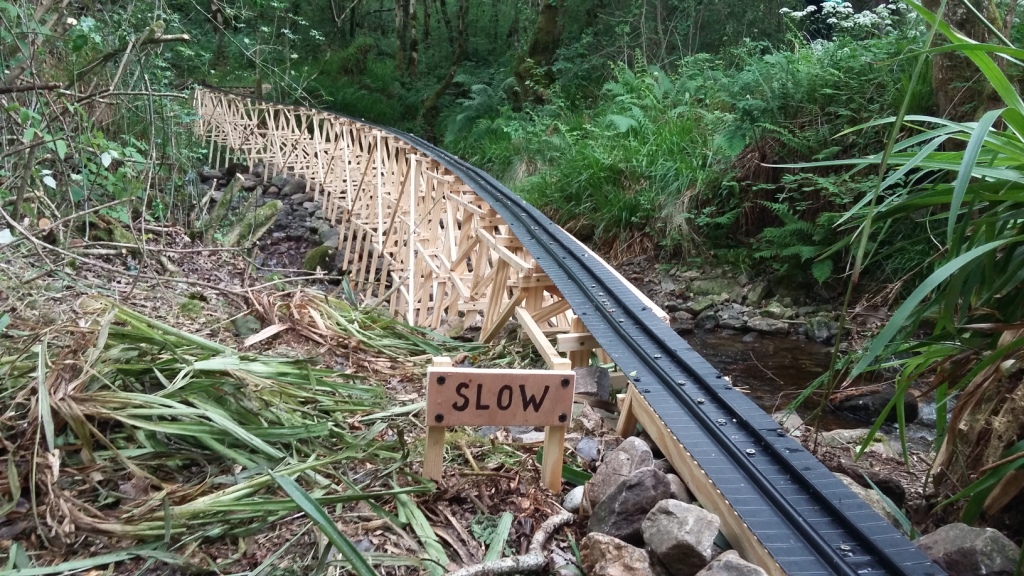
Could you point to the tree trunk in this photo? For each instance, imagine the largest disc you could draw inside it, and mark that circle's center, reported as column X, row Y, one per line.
column 513, row 30
column 414, row 43
column 430, row 109
column 961, row 92
column 442, row 7
column 534, row 74
column 402, row 29
column 426, row 22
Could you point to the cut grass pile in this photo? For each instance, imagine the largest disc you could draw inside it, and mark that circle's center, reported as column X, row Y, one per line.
column 127, row 434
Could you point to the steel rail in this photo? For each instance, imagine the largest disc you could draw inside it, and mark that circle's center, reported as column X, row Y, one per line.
column 807, row 519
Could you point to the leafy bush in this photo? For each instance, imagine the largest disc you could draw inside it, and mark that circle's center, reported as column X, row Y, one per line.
column 687, row 157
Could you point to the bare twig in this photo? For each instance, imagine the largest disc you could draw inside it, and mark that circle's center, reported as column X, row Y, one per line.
column 131, row 44
column 39, row 245
column 532, row 561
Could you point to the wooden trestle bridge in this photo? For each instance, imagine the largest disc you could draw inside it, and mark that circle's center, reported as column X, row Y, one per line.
column 434, row 238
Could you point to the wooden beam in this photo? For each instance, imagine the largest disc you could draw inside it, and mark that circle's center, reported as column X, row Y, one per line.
column 517, row 263
column 539, row 339
column 433, row 452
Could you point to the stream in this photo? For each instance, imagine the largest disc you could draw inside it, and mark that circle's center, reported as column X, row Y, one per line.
column 773, row 371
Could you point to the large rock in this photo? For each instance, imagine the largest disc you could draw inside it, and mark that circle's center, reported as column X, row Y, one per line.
column 870, row 406
column 680, row 536
column 621, row 513
column 632, row 455
column 603, row 555
column 852, row 438
column 638, row 451
column 758, row 292
column 871, row 497
column 329, row 237
column 729, row 563
column 966, row 551
column 250, row 182
column 682, row 322
column 790, row 421
column 768, row 326
column 708, row 320
column 711, row 286
column 293, row 187
column 776, row 311
column 679, row 490
column 822, row 329
column 593, row 381
column 573, row 499
column 207, row 175
column 614, row 470
column 697, row 306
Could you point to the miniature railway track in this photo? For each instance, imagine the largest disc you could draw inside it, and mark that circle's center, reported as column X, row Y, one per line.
column 802, row 515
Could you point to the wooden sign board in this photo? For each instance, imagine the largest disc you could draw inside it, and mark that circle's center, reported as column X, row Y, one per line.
column 483, row 397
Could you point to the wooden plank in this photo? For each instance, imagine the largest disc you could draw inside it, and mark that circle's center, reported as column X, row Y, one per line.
column 433, row 453
column 734, row 529
column 503, row 316
column 505, row 254
column 513, row 397
column 619, row 381
column 533, row 280
column 574, row 341
column 551, row 310
column 551, row 461
column 539, row 339
column 579, row 357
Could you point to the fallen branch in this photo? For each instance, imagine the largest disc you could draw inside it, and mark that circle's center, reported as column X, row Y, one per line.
column 533, row 561
column 29, row 88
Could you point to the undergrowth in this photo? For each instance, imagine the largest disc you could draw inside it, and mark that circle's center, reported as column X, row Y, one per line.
column 686, row 155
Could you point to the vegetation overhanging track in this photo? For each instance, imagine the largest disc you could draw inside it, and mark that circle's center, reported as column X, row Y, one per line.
column 805, row 517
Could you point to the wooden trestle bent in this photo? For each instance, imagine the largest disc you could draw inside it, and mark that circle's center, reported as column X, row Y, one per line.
column 417, row 239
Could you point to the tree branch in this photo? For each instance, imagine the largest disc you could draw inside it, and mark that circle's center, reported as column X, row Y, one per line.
column 29, row 87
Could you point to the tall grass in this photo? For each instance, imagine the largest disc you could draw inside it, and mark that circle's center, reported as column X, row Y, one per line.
column 961, row 329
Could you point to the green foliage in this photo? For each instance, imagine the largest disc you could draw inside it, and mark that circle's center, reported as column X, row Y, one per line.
column 684, row 155
column 957, row 185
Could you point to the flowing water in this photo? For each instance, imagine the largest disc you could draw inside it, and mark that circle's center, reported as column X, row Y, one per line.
column 773, row 371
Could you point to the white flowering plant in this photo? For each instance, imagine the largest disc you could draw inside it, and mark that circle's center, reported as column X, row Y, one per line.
column 843, row 20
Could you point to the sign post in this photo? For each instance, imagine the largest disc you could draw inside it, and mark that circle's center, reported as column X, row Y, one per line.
column 484, row 397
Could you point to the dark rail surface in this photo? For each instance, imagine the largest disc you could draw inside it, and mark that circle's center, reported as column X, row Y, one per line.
column 808, row 519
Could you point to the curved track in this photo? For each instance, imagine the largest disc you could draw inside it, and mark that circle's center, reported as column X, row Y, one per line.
column 808, row 520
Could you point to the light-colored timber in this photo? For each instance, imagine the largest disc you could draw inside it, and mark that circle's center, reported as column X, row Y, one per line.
column 418, row 240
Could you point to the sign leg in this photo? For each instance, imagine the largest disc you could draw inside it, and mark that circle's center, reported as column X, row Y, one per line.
column 551, row 463
column 433, row 455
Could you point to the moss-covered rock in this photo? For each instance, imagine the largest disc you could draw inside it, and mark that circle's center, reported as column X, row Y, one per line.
column 320, row 257
column 220, row 210
column 250, row 228
column 246, row 326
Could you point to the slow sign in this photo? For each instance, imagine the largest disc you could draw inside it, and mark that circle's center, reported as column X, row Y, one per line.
column 484, row 397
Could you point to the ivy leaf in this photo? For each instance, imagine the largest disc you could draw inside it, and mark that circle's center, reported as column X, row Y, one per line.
column 821, row 270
